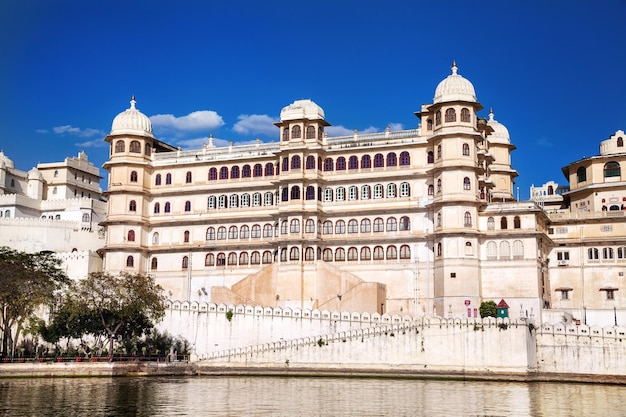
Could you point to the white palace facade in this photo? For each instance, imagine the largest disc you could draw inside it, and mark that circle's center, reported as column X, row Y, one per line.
column 419, row 221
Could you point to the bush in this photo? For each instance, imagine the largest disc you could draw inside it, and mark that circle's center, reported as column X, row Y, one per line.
column 488, row 309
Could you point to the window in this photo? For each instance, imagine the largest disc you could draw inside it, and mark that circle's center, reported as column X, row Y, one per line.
column 465, row 115
column 210, row 233
column 610, row 293
column 188, row 176
column 340, row 194
column 405, row 223
column 132, row 206
column 439, row 185
column 245, row 200
column 378, row 225
column 327, row 227
column 612, row 169
column 209, row 260
column 366, row 226
column 246, row 172
column 467, row 185
column 405, row 158
column 593, row 253
column 467, row 219
column 328, row 194
column 620, row 142
column 243, row 258
column 379, row 253
column 232, row 232
column 340, row 227
column 310, row 192
column 148, row 149
column 255, row 258
column 517, row 223
column 221, row 259
column 518, row 250
column 431, row 189
column 155, row 238
column 353, row 226
column 429, row 124
column 503, row 223
column 391, row 190
column 130, row 262
column 466, row 149
column 256, row 231
column 310, row 162
column 295, row 192
column 295, row 162
column 438, row 151
column 296, row 132
column 310, row 132
column 405, row 189
column 256, row 199
column 450, row 115
column 268, row 230
column 379, row 160
column 131, row 236
column 310, row 226
column 392, row 252
column 365, row 192
column 581, row 174
column 286, row 134
column 328, row 255
column 328, row 164
column 431, row 157
column 341, row 163
column 234, row 200
column 490, row 224
column 492, row 250
column 244, row 232
column 211, row 202
column 353, row 193
column 392, row 160
column 366, row 161
column 186, row 236
column 212, row 174
column 294, row 254
column 268, row 198
column 294, row 226
column 157, row 208
column 135, row 146
column 234, row 172
column 120, row 146
column 353, row 162
column 378, row 191
column 392, row 224
column 438, row 219
column 154, row 263
column 188, row 205
column 168, row 179
column 607, row 253
column 353, row 254
column 621, row 252
column 258, row 170
column 366, row 253
column 340, row 255
column 168, row 207
column 438, row 118
column 221, row 233
column 232, row 258
column 405, row 252
column 133, row 176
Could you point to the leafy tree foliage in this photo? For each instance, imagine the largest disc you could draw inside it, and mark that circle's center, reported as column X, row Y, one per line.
column 27, row 281
column 118, row 307
column 488, row 309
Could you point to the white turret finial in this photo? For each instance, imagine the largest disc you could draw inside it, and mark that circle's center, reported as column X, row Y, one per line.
column 132, row 102
column 491, row 114
column 454, row 68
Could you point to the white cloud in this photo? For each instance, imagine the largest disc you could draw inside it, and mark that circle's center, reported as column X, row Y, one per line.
column 396, row 126
column 77, row 131
column 41, row 130
column 96, row 143
column 197, row 143
column 194, row 121
column 342, row 131
column 256, row 124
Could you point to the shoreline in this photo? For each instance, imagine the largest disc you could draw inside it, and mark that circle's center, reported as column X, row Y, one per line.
column 198, row 369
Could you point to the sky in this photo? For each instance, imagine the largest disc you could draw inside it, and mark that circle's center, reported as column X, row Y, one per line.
column 554, row 72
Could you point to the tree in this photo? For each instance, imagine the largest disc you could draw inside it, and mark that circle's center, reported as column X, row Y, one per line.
column 119, row 307
column 488, row 309
column 27, row 281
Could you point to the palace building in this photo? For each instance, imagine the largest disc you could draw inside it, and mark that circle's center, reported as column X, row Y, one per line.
column 419, row 221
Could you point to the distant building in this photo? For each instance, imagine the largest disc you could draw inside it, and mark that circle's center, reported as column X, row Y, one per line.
column 54, row 207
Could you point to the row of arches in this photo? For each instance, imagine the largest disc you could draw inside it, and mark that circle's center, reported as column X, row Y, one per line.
column 450, row 117
column 134, row 147
column 611, row 169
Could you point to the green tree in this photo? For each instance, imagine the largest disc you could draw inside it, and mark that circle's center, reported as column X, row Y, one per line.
column 122, row 307
column 488, row 309
column 27, row 281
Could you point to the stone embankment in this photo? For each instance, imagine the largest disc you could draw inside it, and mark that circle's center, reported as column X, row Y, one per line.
column 100, row 369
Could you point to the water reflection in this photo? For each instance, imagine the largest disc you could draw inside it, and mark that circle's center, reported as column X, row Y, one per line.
column 282, row 396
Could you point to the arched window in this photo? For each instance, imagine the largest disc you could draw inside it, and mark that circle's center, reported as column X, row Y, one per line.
column 439, row 185
column 465, row 115
column 405, row 158
column 133, row 176
column 269, row 169
column 405, row 189
column 234, row 200
column 232, row 258
column 392, row 159
column 340, row 194
column 232, row 232
column 268, row 199
column 429, row 124
column 353, row 193
column 366, row 192
column 295, row 192
column 353, row 226
column 310, row 162
column 518, row 249
column 466, row 149
column 439, row 153
column 130, row 262
column 188, row 205
column 431, row 157
column 310, row 132
column 147, row 149
column 188, row 176
column 310, row 192
column 157, row 179
column 593, row 253
column 186, row 236
column 550, row 190
column 353, row 254
column 490, row 224
column 438, row 219
column 256, row 199
column 328, row 194
column 492, row 250
column 392, row 224
column 296, row 132
column 310, row 226
column 620, row 142
column 517, row 222
column 439, row 250
column 210, row 233
column 450, row 115
column 581, row 174
column 168, row 179
column 212, row 174
column 340, row 255
column 340, row 227
column 120, row 146
column 135, row 146
column 221, row 259
column 327, row 228
column 246, row 172
column 341, row 163
column 294, row 254
column 211, row 202
column 392, row 252
column 467, row 219
column 255, row 258
column 168, row 207
column 366, row 162
column 467, row 185
column 505, row 250
column 405, row 223
column 131, row 236
column 431, row 189
column 157, row 208
column 379, row 253
column 286, row 134
column 438, row 118
column 319, row 163
column 309, row 254
column 154, row 264
column 503, row 223
column 379, row 225
column 223, row 174
column 379, row 160
column 612, row 169
column 132, row 206
column 268, row 230
column 353, row 162
column 258, row 170
column 243, row 258
column 234, row 172
column 405, row 252
column 155, row 238
column 294, row 226
column 285, row 194
column 391, row 190
column 328, row 164
column 378, row 191
column 366, row 253
column 209, row 259
column 328, row 255
column 366, row 226
column 244, row 232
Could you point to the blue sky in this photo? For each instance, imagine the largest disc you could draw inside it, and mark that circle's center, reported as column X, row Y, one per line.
column 554, row 72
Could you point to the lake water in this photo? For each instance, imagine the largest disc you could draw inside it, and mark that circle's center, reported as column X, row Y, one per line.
column 286, row 396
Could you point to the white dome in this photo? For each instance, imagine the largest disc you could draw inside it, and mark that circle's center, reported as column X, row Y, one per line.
column 302, row 109
column 454, row 88
column 5, row 161
column 500, row 133
column 132, row 121
column 34, row 174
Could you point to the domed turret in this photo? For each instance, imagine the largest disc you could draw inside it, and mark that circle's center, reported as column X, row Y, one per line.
column 302, row 109
column 454, row 88
column 5, row 161
column 500, row 132
column 132, row 122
